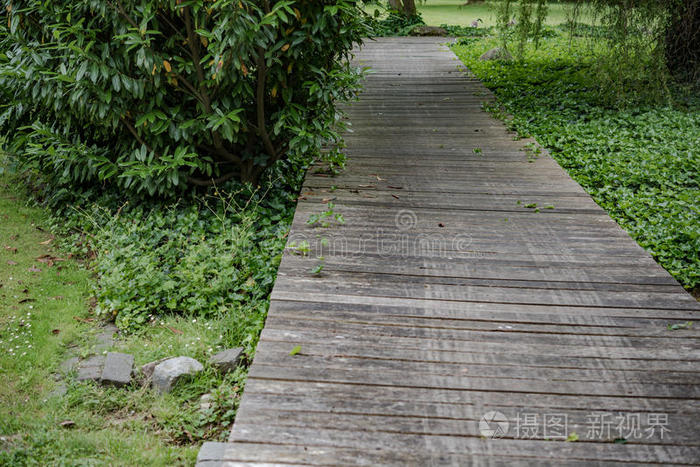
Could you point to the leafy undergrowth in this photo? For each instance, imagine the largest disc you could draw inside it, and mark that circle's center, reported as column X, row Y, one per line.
column 638, row 158
column 189, row 278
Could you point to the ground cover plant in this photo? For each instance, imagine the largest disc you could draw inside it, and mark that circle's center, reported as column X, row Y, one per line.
column 634, row 148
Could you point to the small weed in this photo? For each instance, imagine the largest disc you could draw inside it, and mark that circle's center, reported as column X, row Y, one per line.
column 325, row 218
column 676, row 327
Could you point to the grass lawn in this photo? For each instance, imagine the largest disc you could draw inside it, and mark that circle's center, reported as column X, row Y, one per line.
column 39, row 304
column 454, row 12
column 639, row 160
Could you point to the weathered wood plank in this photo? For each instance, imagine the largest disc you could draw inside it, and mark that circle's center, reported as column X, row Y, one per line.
column 406, row 346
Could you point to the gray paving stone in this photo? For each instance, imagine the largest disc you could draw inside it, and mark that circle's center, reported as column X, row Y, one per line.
column 105, row 339
column 91, row 368
column 117, row 369
column 69, row 365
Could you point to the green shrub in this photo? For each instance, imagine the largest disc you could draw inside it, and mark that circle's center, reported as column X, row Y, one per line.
column 396, row 24
column 466, row 31
column 151, row 95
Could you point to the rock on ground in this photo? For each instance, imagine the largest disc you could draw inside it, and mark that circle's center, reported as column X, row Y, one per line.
column 166, row 374
column 496, row 54
column 147, row 369
column 226, row 360
column 205, row 401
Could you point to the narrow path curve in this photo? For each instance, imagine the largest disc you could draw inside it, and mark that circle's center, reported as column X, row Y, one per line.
column 454, row 322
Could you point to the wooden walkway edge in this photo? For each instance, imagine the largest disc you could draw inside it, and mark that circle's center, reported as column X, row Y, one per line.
column 455, row 323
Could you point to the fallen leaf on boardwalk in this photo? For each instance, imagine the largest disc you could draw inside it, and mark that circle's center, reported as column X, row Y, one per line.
column 295, row 350
column 67, row 424
column 174, row 331
column 396, row 196
column 11, row 248
column 327, row 200
column 440, row 224
column 320, row 175
column 55, row 331
column 34, row 269
column 395, row 187
column 12, row 263
column 366, row 186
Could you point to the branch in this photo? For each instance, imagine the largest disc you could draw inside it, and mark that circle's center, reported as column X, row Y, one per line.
column 211, row 181
column 193, row 44
column 189, row 86
column 223, row 152
column 196, row 59
column 135, row 133
column 260, row 101
column 122, row 11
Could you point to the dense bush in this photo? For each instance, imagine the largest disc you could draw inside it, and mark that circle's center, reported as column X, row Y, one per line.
column 150, row 95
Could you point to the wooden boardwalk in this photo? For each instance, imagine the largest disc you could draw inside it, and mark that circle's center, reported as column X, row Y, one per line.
column 452, row 324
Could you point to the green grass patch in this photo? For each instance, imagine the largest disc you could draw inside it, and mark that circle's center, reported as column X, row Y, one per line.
column 639, row 160
column 39, row 304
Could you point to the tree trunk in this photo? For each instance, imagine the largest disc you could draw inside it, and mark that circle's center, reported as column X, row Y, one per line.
column 683, row 40
column 396, row 5
column 409, row 7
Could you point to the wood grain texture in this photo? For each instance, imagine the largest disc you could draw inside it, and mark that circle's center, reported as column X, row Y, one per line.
column 445, row 296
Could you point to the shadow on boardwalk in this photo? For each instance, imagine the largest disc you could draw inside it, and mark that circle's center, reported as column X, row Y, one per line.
column 453, row 322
